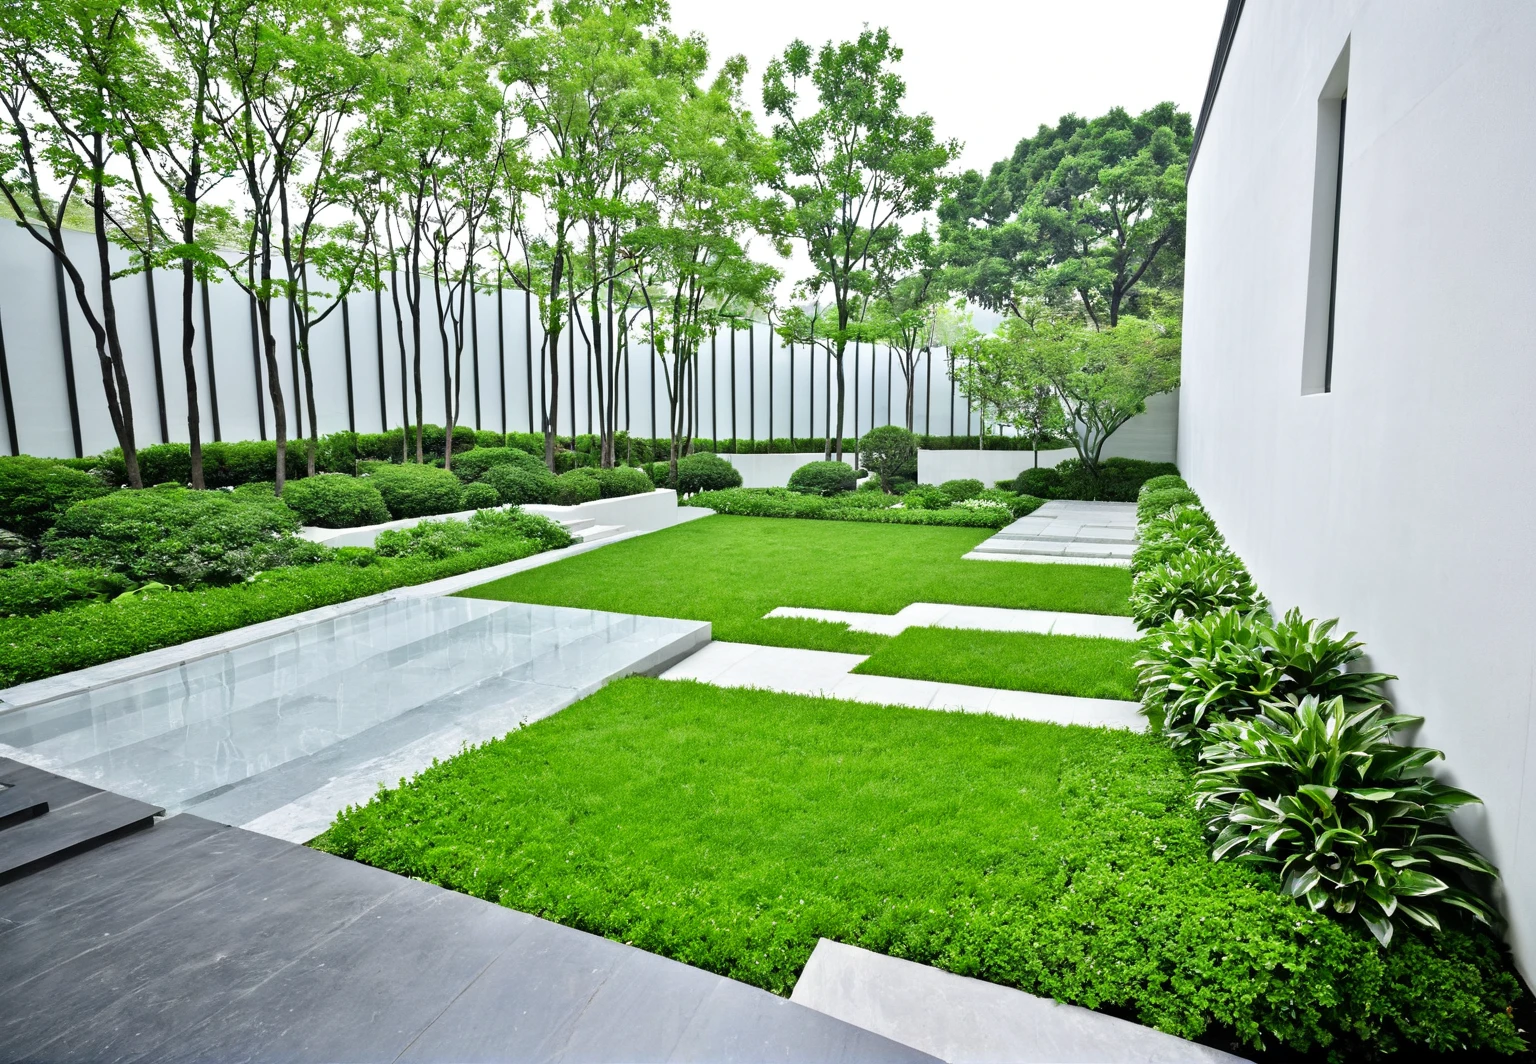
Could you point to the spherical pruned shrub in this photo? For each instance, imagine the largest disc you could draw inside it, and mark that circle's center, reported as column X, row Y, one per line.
column 34, row 492
column 481, row 496
column 576, row 487
column 473, row 465
column 518, row 486
column 178, row 536
column 623, row 480
column 707, row 472
column 1041, row 483
column 886, row 451
column 960, row 490
column 335, row 500
column 417, row 490
column 823, row 478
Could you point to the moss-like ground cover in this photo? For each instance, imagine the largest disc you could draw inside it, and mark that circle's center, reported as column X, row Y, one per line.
column 730, row 829
column 732, row 570
column 1018, row 661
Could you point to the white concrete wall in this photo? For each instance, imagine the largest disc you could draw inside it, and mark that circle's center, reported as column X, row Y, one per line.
column 1351, row 503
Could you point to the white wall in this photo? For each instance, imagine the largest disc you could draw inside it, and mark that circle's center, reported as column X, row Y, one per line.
column 1402, row 501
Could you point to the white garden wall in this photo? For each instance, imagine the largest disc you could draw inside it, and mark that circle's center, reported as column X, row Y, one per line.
column 1354, row 503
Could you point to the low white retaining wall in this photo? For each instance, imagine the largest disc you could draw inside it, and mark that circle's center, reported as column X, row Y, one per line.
column 771, row 470
column 637, row 513
column 935, row 467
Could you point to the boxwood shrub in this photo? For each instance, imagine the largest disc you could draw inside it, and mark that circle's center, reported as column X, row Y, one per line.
column 1118, row 480
column 781, row 502
column 178, row 536
column 416, row 490
column 519, row 486
column 623, row 480
column 473, row 465
column 705, row 472
column 34, row 492
column 959, row 490
column 335, row 500
column 576, row 487
column 823, row 478
column 480, row 496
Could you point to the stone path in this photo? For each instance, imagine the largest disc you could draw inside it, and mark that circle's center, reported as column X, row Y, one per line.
column 968, row 1021
column 984, row 618
column 1078, row 533
column 282, row 733
column 821, row 672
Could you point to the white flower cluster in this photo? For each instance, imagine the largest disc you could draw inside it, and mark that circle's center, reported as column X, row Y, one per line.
column 981, row 504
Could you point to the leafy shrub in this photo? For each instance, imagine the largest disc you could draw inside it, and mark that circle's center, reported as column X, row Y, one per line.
column 823, row 478
column 442, row 539
column 925, row 497
column 959, row 490
column 1151, row 503
column 480, row 496
column 887, row 451
column 334, row 500
column 1198, row 583
column 178, row 536
column 473, row 465
column 1018, row 505
column 34, row 492
column 1350, row 820
column 519, row 486
column 530, row 442
column 1044, row 483
column 1118, row 479
column 487, row 438
column 781, row 502
column 706, row 472
column 623, row 480
column 416, row 490
column 1171, row 535
column 1167, row 480
column 576, row 487
column 39, row 587
column 389, row 446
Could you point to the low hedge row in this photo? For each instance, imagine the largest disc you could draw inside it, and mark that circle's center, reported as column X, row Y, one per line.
column 1118, row 480
column 32, row 648
column 781, row 502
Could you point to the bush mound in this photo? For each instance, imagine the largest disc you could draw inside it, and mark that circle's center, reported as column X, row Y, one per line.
column 34, row 492
column 473, row 465
column 416, row 490
column 1118, row 480
column 519, row 486
column 960, row 490
column 576, row 487
column 1151, row 503
column 782, row 502
column 178, row 536
column 437, row 540
column 623, row 480
column 702, row 472
column 480, row 496
column 335, row 500
column 823, row 478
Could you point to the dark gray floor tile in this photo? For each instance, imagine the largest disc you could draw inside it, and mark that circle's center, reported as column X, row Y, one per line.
column 68, row 828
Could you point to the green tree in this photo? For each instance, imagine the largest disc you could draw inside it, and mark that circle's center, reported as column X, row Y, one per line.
column 1090, row 208
column 853, row 165
column 910, row 314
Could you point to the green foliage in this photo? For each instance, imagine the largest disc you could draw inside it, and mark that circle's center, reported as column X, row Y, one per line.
column 1169, row 536
column 480, row 496
column 782, row 502
column 443, row 539
column 334, row 500
column 1193, row 585
column 1350, row 819
column 576, row 487
column 39, row 587
column 14, row 549
column 1018, row 505
column 1014, row 661
column 416, row 490
column 705, row 472
column 887, row 451
column 473, row 465
column 225, row 465
column 823, row 478
column 1151, row 503
column 178, row 536
column 623, row 480
column 672, row 816
column 926, row 497
column 1167, row 480
column 1117, row 480
column 388, row 446
column 519, row 486
column 959, row 490
column 34, row 492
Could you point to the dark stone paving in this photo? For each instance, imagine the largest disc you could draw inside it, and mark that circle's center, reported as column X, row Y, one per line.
column 46, row 818
column 196, row 941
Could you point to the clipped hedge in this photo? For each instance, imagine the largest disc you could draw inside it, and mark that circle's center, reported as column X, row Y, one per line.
column 781, row 502
column 335, row 500
column 473, row 465
column 443, row 539
column 519, row 486
column 823, row 478
column 576, row 487
column 416, row 490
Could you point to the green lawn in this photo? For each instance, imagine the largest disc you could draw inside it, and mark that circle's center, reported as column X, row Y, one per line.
column 1019, row 661
column 732, row 570
column 730, row 829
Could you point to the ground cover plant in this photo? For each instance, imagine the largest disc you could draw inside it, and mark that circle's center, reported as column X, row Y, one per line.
column 1087, row 667
column 730, row 571
column 730, row 829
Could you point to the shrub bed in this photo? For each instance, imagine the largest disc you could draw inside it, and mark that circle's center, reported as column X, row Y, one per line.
column 1118, row 480
column 35, row 492
column 781, row 502
column 416, row 490
column 334, row 500
column 519, row 486
column 576, row 487
column 823, row 478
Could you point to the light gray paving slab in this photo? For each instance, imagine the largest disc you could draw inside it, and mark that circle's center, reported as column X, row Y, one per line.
column 1045, row 559
column 969, row 1021
column 983, row 618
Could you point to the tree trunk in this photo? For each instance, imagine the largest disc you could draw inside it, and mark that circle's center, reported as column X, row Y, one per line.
column 189, row 370
column 114, row 372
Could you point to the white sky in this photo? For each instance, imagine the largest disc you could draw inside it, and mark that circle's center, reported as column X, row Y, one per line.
column 990, row 71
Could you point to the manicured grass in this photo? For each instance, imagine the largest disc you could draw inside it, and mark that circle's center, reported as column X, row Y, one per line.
column 730, row 829
column 732, row 570
column 1018, row 661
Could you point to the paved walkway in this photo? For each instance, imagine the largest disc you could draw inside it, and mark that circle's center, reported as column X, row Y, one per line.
column 821, row 672
column 968, row 1021
column 984, row 618
column 1078, row 533
column 282, row 733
